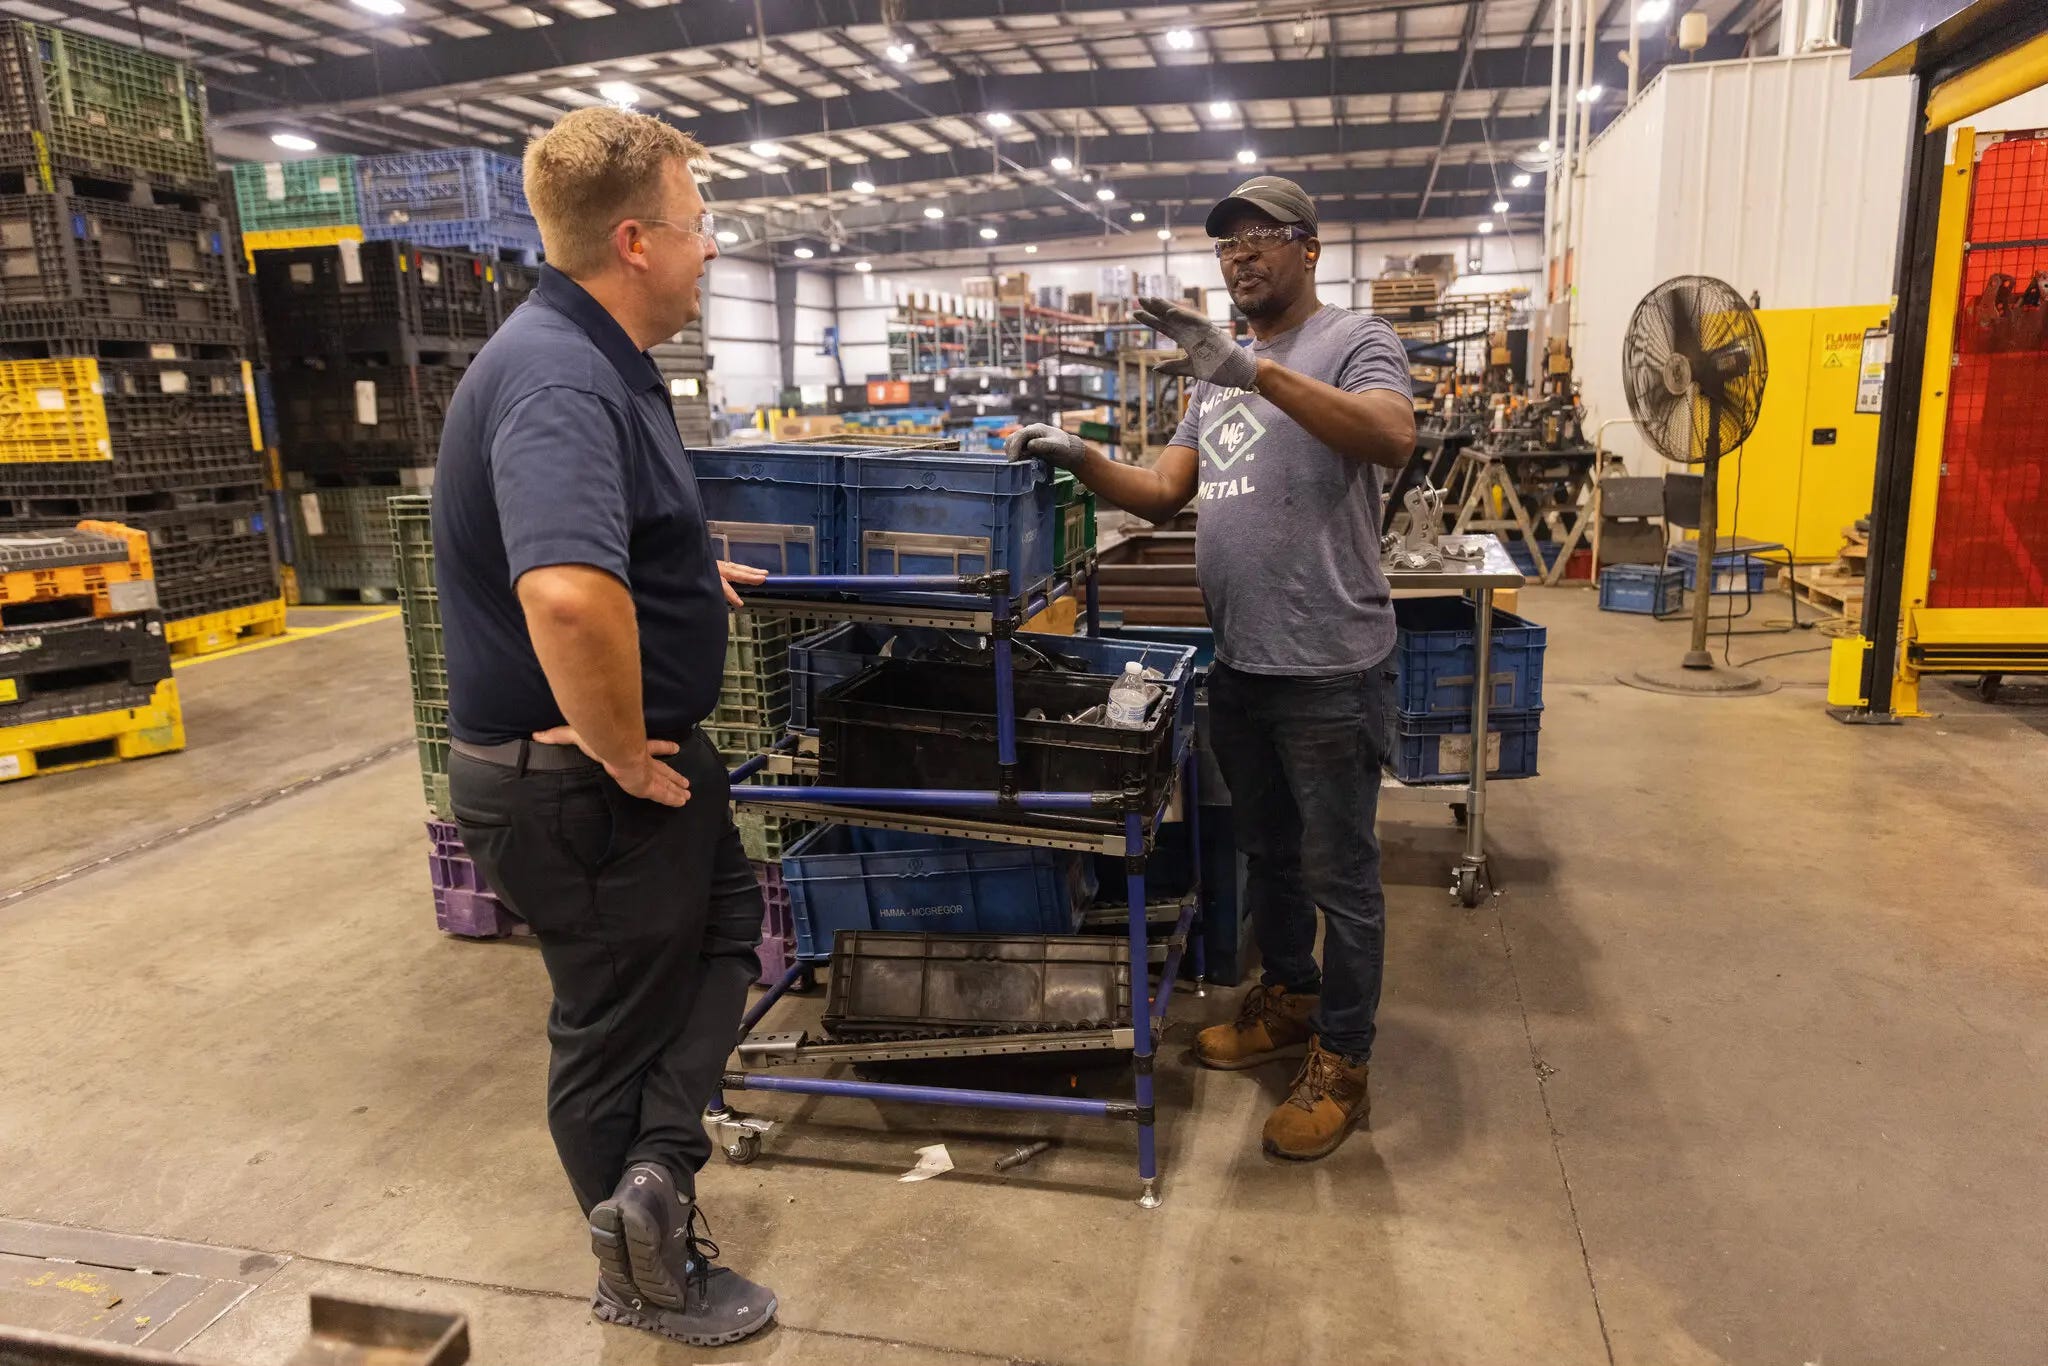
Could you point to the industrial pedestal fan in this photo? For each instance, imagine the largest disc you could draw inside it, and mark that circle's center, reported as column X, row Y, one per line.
column 1693, row 362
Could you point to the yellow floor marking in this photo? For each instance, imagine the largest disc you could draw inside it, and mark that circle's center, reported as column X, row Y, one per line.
column 291, row 634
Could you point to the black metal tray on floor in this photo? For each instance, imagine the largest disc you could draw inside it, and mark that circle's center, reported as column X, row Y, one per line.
column 886, row 982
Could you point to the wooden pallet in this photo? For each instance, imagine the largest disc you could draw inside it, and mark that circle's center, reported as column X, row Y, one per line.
column 1826, row 589
column 1405, row 291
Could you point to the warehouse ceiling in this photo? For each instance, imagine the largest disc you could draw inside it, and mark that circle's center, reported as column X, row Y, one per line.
column 884, row 126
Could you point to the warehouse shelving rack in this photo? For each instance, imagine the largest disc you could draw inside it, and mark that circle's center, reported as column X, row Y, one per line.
column 1090, row 822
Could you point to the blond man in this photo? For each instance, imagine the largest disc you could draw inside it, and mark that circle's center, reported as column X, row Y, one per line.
column 586, row 619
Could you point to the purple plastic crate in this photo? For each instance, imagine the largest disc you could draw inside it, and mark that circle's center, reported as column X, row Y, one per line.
column 463, row 903
column 777, row 950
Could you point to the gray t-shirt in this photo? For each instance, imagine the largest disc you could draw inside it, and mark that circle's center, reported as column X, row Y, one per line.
column 1287, row 544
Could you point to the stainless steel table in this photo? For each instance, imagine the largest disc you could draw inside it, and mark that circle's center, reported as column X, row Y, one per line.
column 1469, row 876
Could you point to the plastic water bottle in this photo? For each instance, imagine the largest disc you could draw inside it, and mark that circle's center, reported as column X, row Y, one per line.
column 1129, row 699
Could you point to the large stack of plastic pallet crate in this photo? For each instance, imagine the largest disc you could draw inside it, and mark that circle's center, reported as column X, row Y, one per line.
column 687, row 372
column 85, row 671
column 378, row 278
column 126, row 394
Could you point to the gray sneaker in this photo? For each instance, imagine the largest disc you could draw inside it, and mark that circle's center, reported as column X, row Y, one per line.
column 724, row 1308
column 642, row 1237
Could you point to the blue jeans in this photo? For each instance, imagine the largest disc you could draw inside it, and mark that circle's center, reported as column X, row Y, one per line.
column 1302, row 758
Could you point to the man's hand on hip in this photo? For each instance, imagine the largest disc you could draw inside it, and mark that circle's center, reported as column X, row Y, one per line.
column 645, row 776
column 1042, row 442
column 1212, row 355
column 732, row 573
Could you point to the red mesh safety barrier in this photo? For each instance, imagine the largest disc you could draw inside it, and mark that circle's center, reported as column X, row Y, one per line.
column 1991, row 516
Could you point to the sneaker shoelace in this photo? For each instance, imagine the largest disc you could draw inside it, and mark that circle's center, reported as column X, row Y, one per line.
column 702, row 1251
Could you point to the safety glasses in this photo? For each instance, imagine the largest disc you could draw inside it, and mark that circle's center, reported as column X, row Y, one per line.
column 699, row 226
column 1257, row 241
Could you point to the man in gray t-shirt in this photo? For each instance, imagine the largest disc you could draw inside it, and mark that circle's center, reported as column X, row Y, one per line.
column 1282, row 448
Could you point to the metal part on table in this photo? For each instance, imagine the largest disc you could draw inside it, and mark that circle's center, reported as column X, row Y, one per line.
column 1420, row 545
column 1471, row 876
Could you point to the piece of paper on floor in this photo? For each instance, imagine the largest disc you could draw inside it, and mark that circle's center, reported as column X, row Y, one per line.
column 930, row 1163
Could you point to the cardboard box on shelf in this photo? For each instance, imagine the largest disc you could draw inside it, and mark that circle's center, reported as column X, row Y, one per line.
column 1014, row 289
column 1081, row 301
column 790, row 427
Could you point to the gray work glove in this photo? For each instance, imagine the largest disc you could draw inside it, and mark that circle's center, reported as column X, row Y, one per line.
column 1212, row 355
column 1042, row 442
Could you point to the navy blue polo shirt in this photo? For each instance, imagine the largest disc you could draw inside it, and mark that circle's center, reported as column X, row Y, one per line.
column 560, row 447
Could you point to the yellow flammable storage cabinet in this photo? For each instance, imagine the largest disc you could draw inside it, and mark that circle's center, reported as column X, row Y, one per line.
column 1806, row 471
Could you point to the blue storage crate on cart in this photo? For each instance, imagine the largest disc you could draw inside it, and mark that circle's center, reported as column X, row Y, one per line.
column 441, row 186
column 776, row 508
column 1438, row 749
column 1648, row 589
column 842, row 877
column 823, row 658
column 1736, row 572
column 493, row 237
column 1435, row 653
column 913, row 513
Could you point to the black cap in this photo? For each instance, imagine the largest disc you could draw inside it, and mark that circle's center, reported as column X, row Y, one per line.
column 1269, row 194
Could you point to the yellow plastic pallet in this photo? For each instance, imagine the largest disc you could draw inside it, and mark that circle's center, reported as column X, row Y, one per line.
column 116, row 587
column 52, row 410
column 101, row 738
column 275, row 238
column 215, row 631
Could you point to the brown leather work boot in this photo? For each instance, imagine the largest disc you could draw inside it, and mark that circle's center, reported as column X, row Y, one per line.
column 1329, row 1099
column 1270, row 1024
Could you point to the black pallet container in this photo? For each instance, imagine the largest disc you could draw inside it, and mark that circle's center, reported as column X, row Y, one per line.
column 386, row 301
column 74, row 263
column 511, row 282
column 23, row 508
column 212, row 559
column 920, row 723
column 66, row 668
column 173, row 426
column 319, row 410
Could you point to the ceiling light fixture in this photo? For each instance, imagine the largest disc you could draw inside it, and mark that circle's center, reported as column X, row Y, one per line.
column 1246, row 156
column 1179, row 39
column 1500, row 206
column 1485, row 225
column 900, row 53
column 1653, row 11
column 863, row 187
column 387, row 8
column 1521, row 180
column 1544, row 147
column 999, row 119
column 1061, row 163
column 764, row 149
column 1137, row 215
column 1105, row 194
column 863, row 266
column 1591, row 93
column 293, row 142
column 989, row 234
column 933, row 211
column 1031, row 249
column 728, row 236
column 619, row 93
column 1219, row 109
column 1165, row 234
column 803, row 253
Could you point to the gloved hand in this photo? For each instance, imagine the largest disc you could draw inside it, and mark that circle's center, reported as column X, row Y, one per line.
column 1042, row 442
column 1212, row 355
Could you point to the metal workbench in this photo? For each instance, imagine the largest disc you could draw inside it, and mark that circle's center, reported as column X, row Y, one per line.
column 1470, row 876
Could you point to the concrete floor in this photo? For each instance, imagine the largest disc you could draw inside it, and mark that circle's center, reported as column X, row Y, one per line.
column 1747, row 1065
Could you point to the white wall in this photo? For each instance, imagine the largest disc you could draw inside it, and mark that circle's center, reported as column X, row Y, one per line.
column 1780, row 175
column 739, row 332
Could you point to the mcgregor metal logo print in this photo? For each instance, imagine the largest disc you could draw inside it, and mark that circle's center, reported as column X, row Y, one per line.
column 1227, row 442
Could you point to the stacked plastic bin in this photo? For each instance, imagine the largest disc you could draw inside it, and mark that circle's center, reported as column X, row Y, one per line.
column 85, row 671
column 463, row 198
column 687, row 374
column 126, row 393
column 1435, row 660
column 368, row 341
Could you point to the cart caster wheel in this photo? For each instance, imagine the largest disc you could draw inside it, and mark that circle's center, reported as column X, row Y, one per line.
column 1461, row 813
column 1467, row 887
column 805, row 984
column 743, row 1149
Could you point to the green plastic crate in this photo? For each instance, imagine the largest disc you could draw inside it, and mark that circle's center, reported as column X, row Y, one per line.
column 763, row 833
column 319, row 192
column 746, row 703
column 1074, row 525
column 737, row 744
column 430, row 731
column 72, row 102
column 756, row 640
